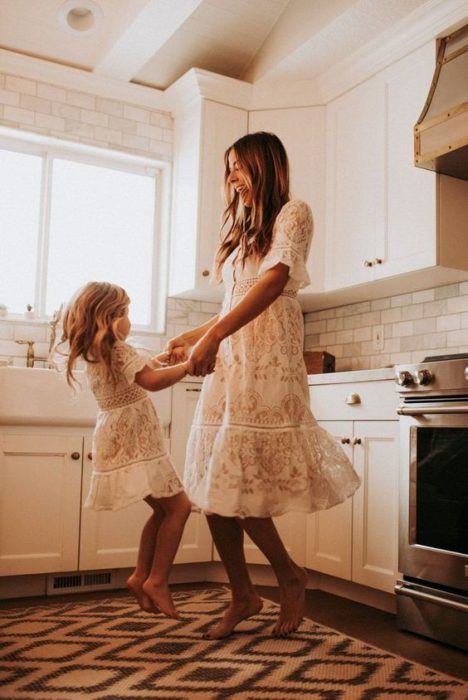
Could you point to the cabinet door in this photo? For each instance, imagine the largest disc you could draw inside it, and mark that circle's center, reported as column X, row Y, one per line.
column 375, row 505
column 109, row 539
column 40, row 482
column 329, row 532
column 355, row 183
column 196, row 542
column 411, row 192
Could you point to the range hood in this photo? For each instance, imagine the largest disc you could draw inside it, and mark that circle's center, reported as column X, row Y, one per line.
column 441, row 133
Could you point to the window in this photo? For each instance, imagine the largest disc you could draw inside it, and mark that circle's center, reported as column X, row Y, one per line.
column 69, row 215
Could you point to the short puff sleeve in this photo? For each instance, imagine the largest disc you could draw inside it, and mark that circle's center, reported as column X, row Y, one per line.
column 128, row 362
column 290, row 245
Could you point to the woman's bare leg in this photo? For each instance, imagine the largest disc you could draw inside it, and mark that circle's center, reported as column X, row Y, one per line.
column 176, row 510
column 291, row 577
column 228, row 537
column 145, row 558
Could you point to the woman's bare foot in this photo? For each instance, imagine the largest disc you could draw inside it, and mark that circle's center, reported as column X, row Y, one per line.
column 237, row 611
column 292, row 597
column 160, row 597
column 135, row 586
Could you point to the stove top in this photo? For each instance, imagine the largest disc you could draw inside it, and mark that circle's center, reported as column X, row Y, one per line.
column 444, row 358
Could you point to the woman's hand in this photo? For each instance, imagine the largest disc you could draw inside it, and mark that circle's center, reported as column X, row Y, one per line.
column 178, row 350
column 202, row 359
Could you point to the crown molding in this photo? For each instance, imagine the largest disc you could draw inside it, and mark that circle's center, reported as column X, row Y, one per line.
column 434, row 18
column 197, row 84
column 80, row 80
column 286, row 94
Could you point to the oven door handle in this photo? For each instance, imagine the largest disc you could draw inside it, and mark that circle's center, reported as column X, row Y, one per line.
column 434, row 410
column 402, row 589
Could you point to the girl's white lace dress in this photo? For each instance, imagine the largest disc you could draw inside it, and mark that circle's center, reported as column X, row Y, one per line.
column 255, row 448
column 130, row 461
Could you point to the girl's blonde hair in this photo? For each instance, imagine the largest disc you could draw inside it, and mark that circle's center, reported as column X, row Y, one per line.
column 264, row 163
column 90, row 324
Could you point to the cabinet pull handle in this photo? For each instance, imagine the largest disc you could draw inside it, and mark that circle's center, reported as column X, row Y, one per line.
column 345, row 441
column 356, row 441
column 90, row 456
column 187, row 389
column 368, row 263
column 353, row 399
column 75, row 455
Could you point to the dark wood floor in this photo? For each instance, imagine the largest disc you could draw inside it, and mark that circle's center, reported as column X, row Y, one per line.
column 360, row 621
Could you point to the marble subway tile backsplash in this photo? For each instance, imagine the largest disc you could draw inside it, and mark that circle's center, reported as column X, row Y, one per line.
column 428, row 322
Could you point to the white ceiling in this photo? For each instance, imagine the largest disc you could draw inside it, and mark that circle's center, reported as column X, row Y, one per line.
column 154, row 42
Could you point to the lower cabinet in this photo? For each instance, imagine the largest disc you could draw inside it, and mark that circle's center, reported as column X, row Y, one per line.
column 358, row 540
column 40, row 488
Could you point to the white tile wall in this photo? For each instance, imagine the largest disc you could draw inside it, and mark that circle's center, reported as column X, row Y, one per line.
column 428, row 322
column 79, row 116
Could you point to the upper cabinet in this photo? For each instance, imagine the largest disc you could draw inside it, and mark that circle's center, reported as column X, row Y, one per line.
column 385, row 217
column 203, row 130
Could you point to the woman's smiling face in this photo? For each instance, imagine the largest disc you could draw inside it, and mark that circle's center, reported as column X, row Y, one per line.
column 237, row 178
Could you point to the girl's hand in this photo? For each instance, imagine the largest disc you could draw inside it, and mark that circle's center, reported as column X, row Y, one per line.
column 202, row 359
column 177, row 350
column 162, row 359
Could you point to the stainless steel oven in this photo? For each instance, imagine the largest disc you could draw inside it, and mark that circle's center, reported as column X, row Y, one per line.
column 432, row 597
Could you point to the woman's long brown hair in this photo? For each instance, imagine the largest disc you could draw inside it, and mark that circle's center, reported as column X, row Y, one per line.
column 90, row 324
column 264, row 162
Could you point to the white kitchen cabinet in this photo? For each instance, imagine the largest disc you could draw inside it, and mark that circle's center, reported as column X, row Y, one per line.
column 196, row 545
column 358, row 540
column 204, row 129
column 40, row 486
column 355, row 184
column 385, row 217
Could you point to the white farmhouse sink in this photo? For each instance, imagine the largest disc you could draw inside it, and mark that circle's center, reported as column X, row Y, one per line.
column 43, row 397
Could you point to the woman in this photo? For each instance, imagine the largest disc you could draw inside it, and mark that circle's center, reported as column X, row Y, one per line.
column 255, row 450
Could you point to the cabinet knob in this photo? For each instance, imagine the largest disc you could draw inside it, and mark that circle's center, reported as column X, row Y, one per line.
column 345, row 441
column 205, row 273
column 368, row 263
column 377, row 261
column 353, row 399
column 75, row 455
column 90, row 456
column 356, row 441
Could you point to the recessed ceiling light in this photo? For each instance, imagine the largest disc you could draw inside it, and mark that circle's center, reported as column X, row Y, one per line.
column 80, row 17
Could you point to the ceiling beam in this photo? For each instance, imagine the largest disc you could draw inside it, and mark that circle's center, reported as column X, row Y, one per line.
column 149, row 31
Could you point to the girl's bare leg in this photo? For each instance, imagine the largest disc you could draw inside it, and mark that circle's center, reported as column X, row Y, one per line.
column 228, row 537
column 145, row 558
column 176, row 511
column 291, row 577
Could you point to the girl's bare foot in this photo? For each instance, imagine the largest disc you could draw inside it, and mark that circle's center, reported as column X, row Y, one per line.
column 237, row 611
column 135, row 586
column 160, row 597
column 292, row 597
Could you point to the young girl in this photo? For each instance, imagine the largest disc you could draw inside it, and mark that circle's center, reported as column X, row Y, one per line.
column 130, row 462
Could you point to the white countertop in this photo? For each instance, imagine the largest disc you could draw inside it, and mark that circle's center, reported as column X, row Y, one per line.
column 362, row 375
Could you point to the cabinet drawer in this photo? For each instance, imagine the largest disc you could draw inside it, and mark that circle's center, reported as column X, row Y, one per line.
column 374, row 401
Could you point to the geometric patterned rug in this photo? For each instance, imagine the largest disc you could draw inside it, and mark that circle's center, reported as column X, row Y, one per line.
column 108, row 649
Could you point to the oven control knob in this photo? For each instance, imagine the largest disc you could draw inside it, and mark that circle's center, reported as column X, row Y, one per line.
column 424, row 377
column 405, row 378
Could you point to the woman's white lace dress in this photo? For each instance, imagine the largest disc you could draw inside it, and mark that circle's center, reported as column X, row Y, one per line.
column 255, row 448
column 130, row 460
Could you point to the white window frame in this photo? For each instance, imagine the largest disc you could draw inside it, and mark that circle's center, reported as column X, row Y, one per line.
column 49, row 148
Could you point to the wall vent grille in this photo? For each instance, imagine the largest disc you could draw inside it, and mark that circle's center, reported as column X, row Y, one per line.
column 71, row 583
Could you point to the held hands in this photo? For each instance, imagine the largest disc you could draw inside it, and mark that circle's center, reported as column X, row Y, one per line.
column 201, row 361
